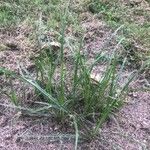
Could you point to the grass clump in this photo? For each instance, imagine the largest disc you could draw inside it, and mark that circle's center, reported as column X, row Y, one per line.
column 6, row 15
column 14, row 12
column 69, row 90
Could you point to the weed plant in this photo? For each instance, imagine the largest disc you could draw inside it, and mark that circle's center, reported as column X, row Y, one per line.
column 68, row 92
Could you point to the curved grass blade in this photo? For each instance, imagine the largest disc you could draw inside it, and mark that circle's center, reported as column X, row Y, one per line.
column 34, row 84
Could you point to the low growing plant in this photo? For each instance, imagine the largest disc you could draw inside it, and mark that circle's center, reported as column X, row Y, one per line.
column 81, row 97
column 68, row 92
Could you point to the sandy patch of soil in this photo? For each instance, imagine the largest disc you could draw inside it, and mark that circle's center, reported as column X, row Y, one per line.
column 128, row 130
column 16, row 48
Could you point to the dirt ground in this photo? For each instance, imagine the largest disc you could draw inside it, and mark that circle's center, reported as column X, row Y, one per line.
column 127, row 129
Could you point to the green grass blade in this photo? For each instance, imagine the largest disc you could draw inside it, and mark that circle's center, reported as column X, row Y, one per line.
column 77, row 132
column 35, row 84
